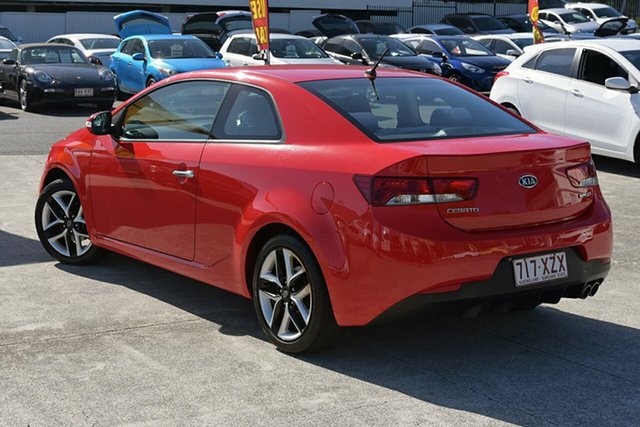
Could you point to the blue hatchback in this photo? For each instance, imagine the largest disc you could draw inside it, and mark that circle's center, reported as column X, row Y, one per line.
column 462, row 59
column 149, row 52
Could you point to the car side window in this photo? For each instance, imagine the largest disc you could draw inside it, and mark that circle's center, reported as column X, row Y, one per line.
column 138, row 47
column 66, row 41
column 556, row 61
column 501, row 46
column 429, row 47
column 486, row 43
column 253, row 47
column 349, row 47
column 542, row 15
column 180, row 111
column 238, row 46
column 248, row 115
column 333, row 46
column 127, row 47
column 596, row 67
column 13, row 55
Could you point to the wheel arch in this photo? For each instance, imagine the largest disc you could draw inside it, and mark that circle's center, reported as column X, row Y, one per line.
column 53, row 174
column 636, row 149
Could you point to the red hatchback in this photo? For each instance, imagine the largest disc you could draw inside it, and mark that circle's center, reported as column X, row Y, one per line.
column 329, row 198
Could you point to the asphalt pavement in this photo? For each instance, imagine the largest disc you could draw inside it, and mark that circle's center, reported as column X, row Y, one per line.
column 122, row 342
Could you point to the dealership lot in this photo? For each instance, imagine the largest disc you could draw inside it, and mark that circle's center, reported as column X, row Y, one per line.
column 122, row 342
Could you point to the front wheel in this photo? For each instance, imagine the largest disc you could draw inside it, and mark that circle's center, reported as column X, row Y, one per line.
column 26, row 101
column 151, row 81
column 455, row 78
column 61, row 227
column 291, row 298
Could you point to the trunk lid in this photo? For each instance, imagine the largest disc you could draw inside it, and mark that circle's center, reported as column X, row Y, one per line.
column 141, row 22
column 515, row 189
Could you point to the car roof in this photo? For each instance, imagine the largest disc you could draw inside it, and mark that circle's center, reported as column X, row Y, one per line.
column 471, row 14
column 510, row 36
column 589, row 5
column 85, row 36
column 151, row 37
column 31, row 45
column 295, row 73
column 555, row 10
column 433, row 26
column 617, row 44
column 272, row 36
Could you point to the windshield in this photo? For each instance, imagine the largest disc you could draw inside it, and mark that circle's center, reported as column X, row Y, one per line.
column 632, row 56
column 6, row 44
column 101, row 43
column 173, row 49
column 296, row 49
column 5, row 32
column 606, row 12
column 464, row 47
column 53, row 55
column 414, row 108
column 488, row 23
column 376, row 46
column 573, row 18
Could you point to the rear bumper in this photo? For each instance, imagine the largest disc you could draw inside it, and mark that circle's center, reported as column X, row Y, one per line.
column 384, row 258
column 500, row 289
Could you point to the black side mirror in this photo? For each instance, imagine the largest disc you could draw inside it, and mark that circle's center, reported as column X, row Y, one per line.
column 9, row 61
column 95, row 61
column 260, row 56
column 100, row 123
column 357, row 56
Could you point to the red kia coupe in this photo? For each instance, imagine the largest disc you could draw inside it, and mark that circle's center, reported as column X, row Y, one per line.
column 329, row 196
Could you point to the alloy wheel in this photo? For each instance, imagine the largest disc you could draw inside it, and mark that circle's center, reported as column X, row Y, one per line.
column 63, row 224
column 285, row 294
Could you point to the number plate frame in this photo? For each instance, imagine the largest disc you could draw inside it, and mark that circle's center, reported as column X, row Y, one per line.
column 540, row 269
column 83, row 92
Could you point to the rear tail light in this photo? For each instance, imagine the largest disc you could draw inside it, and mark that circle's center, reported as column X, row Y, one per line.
column 583, row 175
column 400, row 191
column 500, row 74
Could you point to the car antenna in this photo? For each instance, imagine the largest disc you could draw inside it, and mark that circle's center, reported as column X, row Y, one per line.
column 371, row 73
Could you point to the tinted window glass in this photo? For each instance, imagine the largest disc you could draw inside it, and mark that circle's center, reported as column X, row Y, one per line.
column 350, row 47
column 429, row 46
column 597, row 67
column 573, row 17
column 6, row 44
column 127, row 47
column 172, row 49
column 486, row 43
column 251, row 116
column 464, row 47
column 376, row 46
column 522, row 43
column 414, row 109
column 606, row 12
column 488, row 23
column 138, row 47
column 556, row 61
column 239, row 46
column 632, row 56
column 296, row 48
column 103, row 43
column 53, row 55
column 333, row 46
column 501, row 46
column 452, row 31
column 178, row 111
column 5, row 32
column 13, row 54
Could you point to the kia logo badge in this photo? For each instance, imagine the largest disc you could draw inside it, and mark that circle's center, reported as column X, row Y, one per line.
column 528, row 181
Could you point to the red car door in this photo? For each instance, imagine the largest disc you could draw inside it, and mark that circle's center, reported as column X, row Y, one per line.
column 143, row 184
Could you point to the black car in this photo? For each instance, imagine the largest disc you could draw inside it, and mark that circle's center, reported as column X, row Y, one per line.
column 44, row 73
column 213, row 28
column 368, row 48
column 476, row 23
column 521, row 23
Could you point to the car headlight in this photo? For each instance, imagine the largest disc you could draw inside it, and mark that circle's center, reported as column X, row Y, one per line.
column 472, row 68
column 165, row 71
column 106, row 75
column 43, row 77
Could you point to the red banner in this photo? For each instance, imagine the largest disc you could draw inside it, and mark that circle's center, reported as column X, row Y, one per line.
column 260, row 17
column 538, row 37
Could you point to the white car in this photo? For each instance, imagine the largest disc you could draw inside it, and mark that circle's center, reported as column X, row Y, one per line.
column 583, row 89
column 6, row 46
column 510, row 46
column 601, row 13
column 94, row 46
column 567, row 21
column 241, row 50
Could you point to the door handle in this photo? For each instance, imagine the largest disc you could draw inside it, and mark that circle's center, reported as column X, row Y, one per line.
column 527, row 80
column 245, row 63
column 576, row 93
column 183, row 174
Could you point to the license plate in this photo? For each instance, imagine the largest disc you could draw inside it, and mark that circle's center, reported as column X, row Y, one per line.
column 537, row 269
column 84, row 92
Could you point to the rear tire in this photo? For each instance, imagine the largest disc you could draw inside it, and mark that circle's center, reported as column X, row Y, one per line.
column 290, row 297
column 151, row 81
column 61, row 227
column 455, row 78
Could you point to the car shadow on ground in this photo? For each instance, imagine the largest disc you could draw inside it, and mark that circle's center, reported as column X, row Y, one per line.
column 19, row 250
column 54, row 110
column 617, row 166
column 10, row 116
column 545, row 366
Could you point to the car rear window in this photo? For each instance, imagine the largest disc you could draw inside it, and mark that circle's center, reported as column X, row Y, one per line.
column 414, row 108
